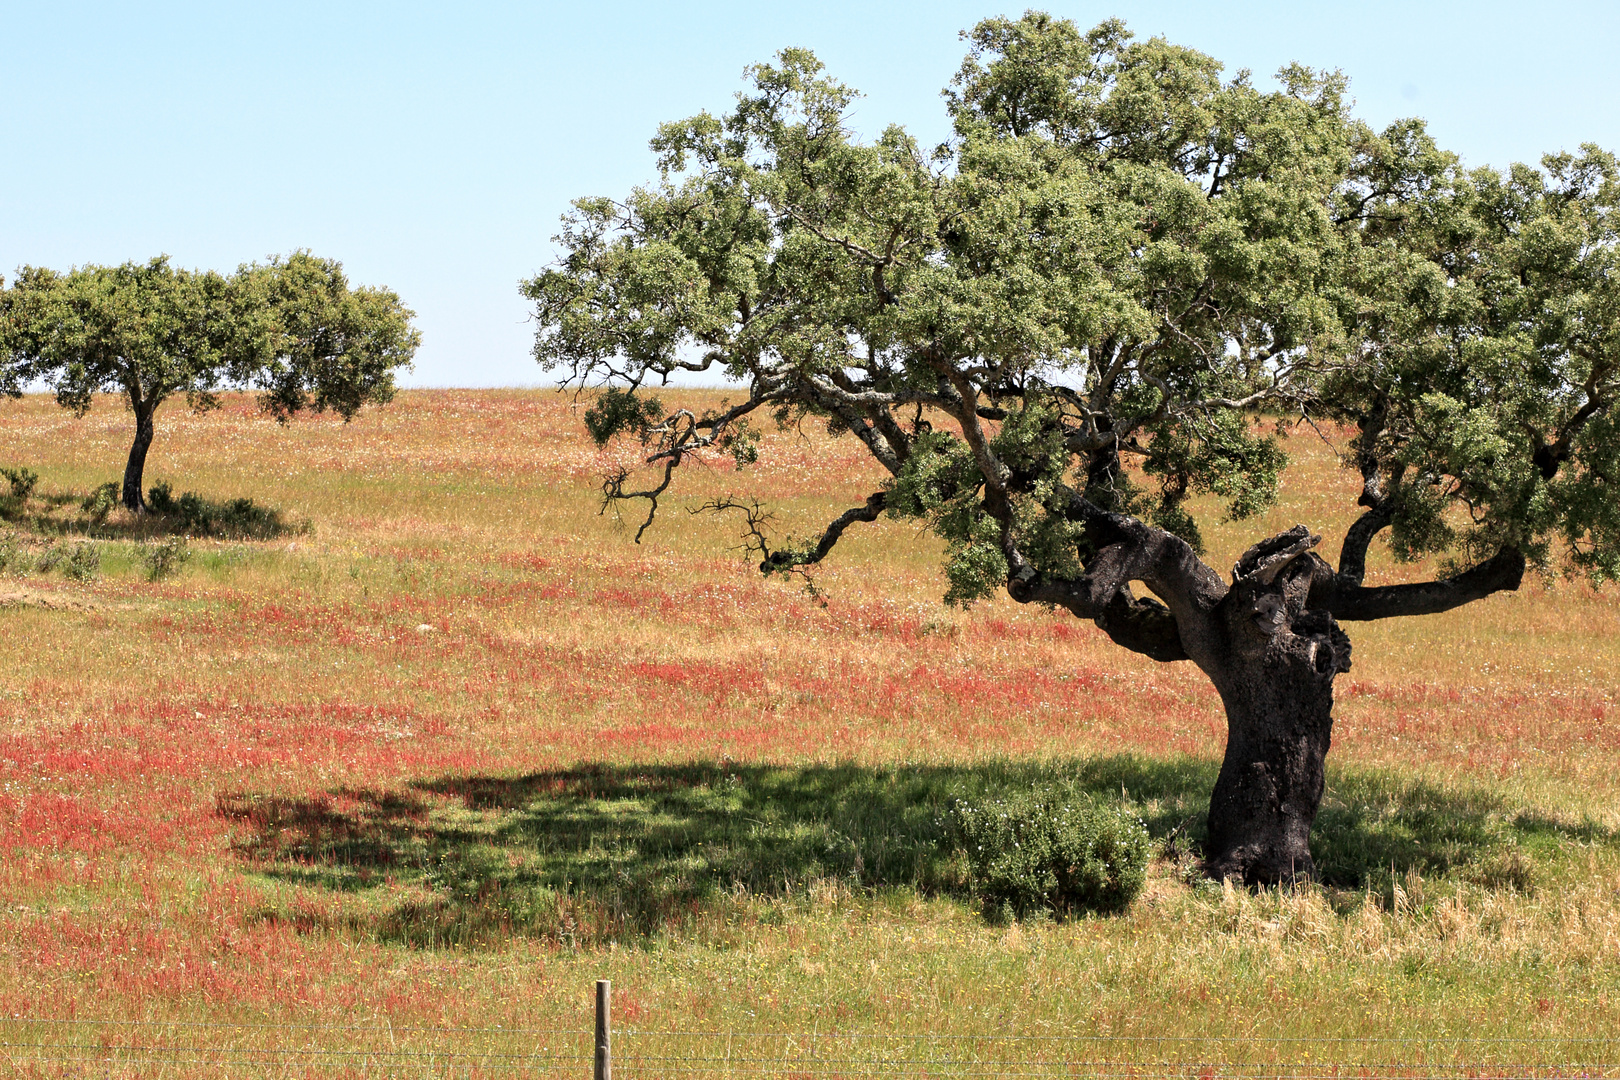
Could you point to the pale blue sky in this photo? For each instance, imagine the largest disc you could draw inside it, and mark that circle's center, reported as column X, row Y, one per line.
column 432, row 147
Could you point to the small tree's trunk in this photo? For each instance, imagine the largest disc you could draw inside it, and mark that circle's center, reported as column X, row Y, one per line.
column 136, row 467
column 1276, row 681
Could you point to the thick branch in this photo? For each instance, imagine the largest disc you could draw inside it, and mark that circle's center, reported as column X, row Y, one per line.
column 839, row 403
column 967, row 414
column 1140, row 624
column 1357, row 538
column 1501, row 573
column 883, row 421
column 1380, row 512
column 1132, row 551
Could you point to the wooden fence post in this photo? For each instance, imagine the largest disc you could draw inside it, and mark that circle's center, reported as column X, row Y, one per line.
column 604, row 1030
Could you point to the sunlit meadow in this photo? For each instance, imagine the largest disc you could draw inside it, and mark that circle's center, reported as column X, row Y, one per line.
column 452, row 746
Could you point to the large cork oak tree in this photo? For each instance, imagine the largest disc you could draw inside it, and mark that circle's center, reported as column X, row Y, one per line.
column 1121, row 264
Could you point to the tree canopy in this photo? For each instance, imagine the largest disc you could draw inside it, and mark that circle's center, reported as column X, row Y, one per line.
column 1121, row 257
column 292, row 329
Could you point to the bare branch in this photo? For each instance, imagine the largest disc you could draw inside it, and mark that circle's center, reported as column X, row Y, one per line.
column 613, row 491
column 792, row 560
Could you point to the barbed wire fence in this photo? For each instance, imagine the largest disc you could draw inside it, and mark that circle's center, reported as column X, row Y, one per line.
column 46, row 1047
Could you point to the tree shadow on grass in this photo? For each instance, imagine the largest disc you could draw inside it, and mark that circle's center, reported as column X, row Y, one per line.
column 99, row 516
column 599, row 852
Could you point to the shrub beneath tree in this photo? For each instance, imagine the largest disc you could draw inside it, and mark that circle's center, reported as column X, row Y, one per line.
column 1050, row 850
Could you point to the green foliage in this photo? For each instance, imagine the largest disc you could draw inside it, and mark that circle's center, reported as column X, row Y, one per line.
column 1591, row 497
column 940, row 483
column 143, row 330
column 618, row 411
column 100, row 502
column 740, row 440
column 1050, row 849
column 241, row 518
column 1493, row 368
column 1122, row 259
column 160, row 499
column 307, row 340
column 166, row 557
column 13, row 557
column 22, row 481
column 1219, row 454
column 233, row 518
column 937, row 481
column 600, row 853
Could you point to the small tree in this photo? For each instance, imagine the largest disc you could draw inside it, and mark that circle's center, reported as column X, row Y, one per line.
column 1119, row 257
column 292, row 329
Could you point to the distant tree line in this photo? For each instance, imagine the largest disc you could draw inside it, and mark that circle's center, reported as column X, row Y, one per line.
column 291, row 329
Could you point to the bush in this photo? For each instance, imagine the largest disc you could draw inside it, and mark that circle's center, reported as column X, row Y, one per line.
column 84, row 563
column 22, row 481
column 201, row 517
column 12, row 556
column 99, row 503
column 160, row 499
column 1050, row 850
column 165, row 558
column 81, row 562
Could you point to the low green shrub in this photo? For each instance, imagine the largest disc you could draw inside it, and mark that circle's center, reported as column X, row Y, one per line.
column 81, row 562
column 100, row 502
column 160, row 499
column 22, row 481
column 239, row 518
column 165, row 558
column 1049, row 850
column 84, row 563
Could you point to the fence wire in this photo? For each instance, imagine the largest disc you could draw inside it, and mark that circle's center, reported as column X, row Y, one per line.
column 43, row 1047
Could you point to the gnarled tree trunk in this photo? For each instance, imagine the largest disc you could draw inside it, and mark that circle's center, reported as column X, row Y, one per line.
column 1270, row 642
column 1273, row 663
column 1278, row 691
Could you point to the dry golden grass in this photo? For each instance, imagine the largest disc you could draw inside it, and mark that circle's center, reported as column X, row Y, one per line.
column 459, row 611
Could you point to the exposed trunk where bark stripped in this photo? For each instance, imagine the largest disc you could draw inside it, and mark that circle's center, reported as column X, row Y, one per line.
column 135, row 469
column 1275, row 671
column 1279, row 718
column 1271, row 644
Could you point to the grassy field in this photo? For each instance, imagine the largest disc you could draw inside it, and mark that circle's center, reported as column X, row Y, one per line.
column 447, row 746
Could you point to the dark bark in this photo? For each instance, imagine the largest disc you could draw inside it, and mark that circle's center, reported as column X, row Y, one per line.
column 871, row 510
column 1270, row 642
column 1278, row 660
column 1353, row 556
column 1274, row 663
column 135, row 468
column 1272, row 660
column 1140, row 624
column 1271, row 657
column 1503, row 572
column 1280, row 648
